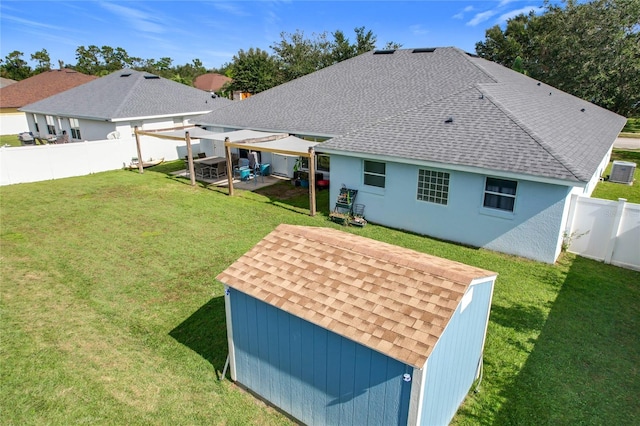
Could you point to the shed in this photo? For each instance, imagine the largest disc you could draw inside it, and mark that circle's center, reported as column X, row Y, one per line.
column 335, row 328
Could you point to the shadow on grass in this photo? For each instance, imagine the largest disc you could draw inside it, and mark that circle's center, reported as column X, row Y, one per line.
column 205, row 332
column 585, row 363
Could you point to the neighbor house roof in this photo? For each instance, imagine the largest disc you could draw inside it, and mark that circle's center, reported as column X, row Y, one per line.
column 211, row 82
column 391, row 299
column 128, row 94
column 395, row 104
column 41, row 86
column 4, row 82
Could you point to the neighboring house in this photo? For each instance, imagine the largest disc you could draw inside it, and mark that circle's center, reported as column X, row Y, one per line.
column 4, row 82
column 33, row 89
column 445, row 144
column 111, row 106
column 338, row 329
column 211, row 82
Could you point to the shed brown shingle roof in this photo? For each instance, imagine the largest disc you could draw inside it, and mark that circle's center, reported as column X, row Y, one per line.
column 41, row 86
column 391, row 299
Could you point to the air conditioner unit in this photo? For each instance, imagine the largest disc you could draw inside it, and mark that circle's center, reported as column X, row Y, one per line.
column 622, row 172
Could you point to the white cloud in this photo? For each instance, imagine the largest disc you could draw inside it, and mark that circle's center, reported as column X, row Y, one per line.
column 481, row 17
column 230, row 8
column 460, row 15
column 418, row 30
column 30, row 23
column 138, row 19
column 506, row 16
column 505, row 2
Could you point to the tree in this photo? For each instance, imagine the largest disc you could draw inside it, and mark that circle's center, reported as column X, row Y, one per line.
column 591, row 50
column 43, row 59
column 299, row 56
column 253, row 71
column 88, row 60
column 365, row 41
column 14, row 67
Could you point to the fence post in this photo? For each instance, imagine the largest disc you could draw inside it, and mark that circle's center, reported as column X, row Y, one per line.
column 615, row 227
column 573, row 206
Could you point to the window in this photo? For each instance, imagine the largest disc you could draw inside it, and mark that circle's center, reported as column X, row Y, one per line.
column 374, row 173
column 35, row 121
column 500, row 194
column 51, row 127
column 323, row 162
column 433, row 186
column 75, row 128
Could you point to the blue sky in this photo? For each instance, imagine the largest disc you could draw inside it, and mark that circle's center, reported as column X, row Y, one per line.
column 213, row 31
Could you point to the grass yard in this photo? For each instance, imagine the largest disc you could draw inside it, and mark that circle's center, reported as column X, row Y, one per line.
column 111, row 313
column 613, row 191
column 11, row 140
column 632, row 126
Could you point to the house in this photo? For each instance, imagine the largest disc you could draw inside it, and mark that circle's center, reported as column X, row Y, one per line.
column 111, row 106
column 4, row 82
column 211, row 82
column 33, row 89
column 335, row 328
column 446, row 144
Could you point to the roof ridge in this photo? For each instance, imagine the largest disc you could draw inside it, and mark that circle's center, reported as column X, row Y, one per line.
column 476, row 65
column 515, row 120
column 389, row 256
column 139, row 77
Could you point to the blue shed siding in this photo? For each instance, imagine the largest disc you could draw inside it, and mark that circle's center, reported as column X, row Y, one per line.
column 537, row 219
column 315, row 375
column 452, row 366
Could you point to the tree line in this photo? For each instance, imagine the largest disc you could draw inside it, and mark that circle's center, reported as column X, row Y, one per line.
column 589, row 49
column 252, row 71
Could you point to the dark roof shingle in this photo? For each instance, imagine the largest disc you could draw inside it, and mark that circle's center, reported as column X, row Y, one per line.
column 128, row 94
column 396, row 104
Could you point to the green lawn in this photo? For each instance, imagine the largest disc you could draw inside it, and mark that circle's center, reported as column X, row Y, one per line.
column 614, row 191
column 111, row 313
column 11, row 140
column 632, row 125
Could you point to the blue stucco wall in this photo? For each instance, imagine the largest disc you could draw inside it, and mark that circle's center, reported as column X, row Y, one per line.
column 316, row 376
column 451, row 367
column 533, row 230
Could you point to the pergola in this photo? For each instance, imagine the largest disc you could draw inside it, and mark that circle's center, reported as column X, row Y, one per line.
column 278, row 143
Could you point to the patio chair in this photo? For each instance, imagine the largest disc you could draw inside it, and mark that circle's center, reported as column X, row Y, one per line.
column 202, row 170
column 219, row 170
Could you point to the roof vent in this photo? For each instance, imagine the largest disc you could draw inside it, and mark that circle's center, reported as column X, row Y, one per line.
column 151, row 77
column 622, row 172
column 424, row 50
column 449, row 120
column 384, row 52
column 125, row 75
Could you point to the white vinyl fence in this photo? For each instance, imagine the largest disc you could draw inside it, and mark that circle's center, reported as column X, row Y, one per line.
column 605, row 230
column 34, row 163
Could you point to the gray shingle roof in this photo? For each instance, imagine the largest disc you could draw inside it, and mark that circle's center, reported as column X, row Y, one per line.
column 396, row 104
column 127, row 94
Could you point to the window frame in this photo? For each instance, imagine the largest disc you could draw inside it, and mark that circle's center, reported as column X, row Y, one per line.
column 434, row 188
column 35, row 122
column 51, row 124
column 499, row 194
column 75, row 129
column 373, row 174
